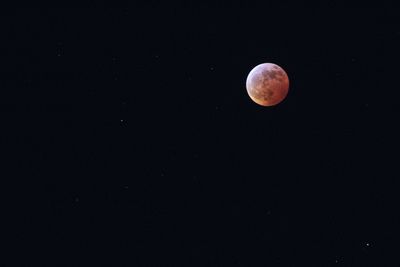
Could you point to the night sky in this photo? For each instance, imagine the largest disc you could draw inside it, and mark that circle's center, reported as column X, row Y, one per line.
column 128, row 137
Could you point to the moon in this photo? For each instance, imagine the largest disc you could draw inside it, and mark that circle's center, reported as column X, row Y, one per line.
column 267, row 84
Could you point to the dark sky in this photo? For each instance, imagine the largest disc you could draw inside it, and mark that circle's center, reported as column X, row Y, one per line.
column 129, row 138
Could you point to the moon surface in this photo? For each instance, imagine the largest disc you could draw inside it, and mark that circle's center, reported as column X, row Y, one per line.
column 267, row 84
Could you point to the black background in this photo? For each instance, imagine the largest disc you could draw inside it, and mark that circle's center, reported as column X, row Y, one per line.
column 129, row 138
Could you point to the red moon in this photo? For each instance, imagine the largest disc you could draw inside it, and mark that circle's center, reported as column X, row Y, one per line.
column 267, row 84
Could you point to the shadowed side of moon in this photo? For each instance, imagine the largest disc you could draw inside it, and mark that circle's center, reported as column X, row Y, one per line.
column 267, row 84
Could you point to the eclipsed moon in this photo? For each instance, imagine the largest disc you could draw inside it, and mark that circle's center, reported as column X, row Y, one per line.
column 267, row 84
